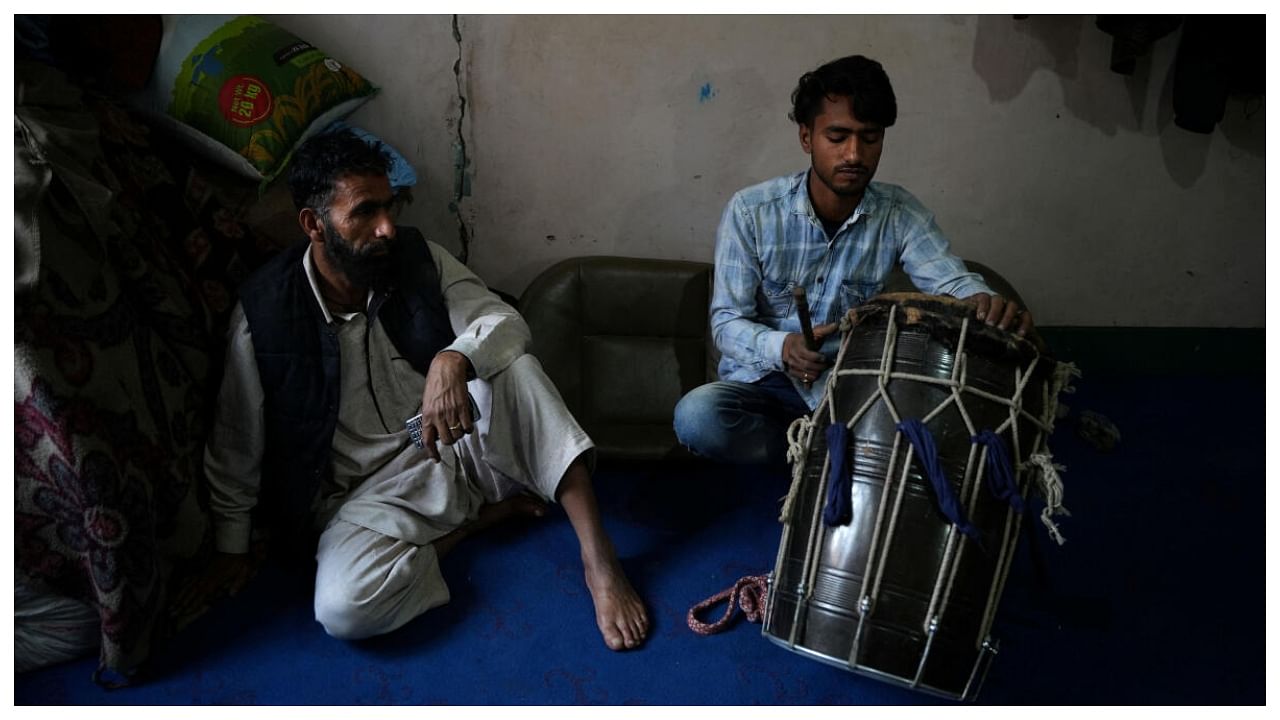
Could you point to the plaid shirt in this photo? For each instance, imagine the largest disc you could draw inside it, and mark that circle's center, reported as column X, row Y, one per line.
column 770, row 241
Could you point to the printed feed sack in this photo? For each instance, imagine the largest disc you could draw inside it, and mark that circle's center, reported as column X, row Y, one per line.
column 248, row 91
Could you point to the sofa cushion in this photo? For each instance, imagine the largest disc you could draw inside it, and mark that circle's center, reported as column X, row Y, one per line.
column 623, row 339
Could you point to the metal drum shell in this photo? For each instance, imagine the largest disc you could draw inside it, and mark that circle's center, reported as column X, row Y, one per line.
column 814, row 603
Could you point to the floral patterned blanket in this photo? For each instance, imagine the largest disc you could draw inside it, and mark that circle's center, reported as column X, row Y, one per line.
column 118, row 344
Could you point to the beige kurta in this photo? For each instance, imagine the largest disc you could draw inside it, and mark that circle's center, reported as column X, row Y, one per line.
column 387, row 501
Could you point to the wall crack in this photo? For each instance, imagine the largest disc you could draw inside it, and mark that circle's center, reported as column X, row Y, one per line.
column 461, row 178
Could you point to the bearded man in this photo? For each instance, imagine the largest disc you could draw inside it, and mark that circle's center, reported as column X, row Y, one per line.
column 334, row 345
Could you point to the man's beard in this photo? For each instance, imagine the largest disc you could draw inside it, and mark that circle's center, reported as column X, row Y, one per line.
column 364, row 268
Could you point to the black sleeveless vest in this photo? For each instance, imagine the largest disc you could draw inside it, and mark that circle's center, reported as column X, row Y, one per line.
column 298, row 360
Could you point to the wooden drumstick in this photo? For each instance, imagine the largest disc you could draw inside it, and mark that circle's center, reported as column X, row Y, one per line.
column 806, row 324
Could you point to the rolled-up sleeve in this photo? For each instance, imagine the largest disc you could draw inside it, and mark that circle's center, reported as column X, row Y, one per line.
column 733, row 301
column 233, row 453
column 490, row 333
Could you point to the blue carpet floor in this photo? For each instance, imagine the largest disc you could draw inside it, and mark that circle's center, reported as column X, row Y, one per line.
column 1158, row 597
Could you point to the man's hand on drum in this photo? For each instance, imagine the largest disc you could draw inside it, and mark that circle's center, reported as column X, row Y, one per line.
column 1001, row 312
column 802, row 363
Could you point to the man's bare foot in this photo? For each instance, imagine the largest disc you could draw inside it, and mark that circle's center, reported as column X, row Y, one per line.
column 490, row 515
column 623, row 621
column 521, row 505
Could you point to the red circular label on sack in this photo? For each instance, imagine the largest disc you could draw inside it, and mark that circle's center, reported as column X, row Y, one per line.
column 245, row 100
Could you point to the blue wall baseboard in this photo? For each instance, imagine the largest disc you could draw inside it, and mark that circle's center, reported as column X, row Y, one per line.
column 1159, row 351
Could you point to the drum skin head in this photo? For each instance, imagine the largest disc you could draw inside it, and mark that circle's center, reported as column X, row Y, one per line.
column 945, row 317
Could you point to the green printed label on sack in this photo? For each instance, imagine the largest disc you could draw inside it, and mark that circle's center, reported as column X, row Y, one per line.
column 256, row 88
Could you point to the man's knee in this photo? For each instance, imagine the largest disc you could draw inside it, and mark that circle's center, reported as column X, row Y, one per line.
column 523, row 370
column 714, row 421
column 343, row 616
column 524, row 386
column 701, row 424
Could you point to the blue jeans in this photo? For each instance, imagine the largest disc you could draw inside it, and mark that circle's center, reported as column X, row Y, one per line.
column 739, row 422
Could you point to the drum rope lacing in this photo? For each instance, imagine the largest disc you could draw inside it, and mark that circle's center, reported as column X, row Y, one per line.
column 750, row 593
column 797, row 447
column 799, row 437
column 1051, row 486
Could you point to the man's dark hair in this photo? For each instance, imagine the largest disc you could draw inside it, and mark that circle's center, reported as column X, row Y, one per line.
column 862, row 79
column 321, row 160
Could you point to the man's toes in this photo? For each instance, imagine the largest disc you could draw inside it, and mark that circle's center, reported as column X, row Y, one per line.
column 628, row 640
column 634, row 632
column 618, row 635
column 529, row 506
column 614, row 640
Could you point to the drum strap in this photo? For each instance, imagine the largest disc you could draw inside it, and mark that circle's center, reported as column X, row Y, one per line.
column 927, row 453
column 839, row 507
column 999, row 472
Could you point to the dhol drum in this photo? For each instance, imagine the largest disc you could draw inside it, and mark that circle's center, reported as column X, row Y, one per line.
column 907, row 494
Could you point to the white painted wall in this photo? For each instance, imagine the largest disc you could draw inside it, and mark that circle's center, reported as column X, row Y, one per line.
column 627, row 135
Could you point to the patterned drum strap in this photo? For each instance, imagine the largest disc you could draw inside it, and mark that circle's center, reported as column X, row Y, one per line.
column 750, row 593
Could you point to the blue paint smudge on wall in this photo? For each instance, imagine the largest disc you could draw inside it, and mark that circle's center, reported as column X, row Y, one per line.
column 706, row 93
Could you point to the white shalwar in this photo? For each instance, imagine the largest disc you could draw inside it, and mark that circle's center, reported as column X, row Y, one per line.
column 387, row 501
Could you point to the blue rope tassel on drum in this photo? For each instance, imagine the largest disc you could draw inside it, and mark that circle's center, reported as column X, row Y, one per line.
column 922, row 440
column 999, row 472
column 839, row 507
